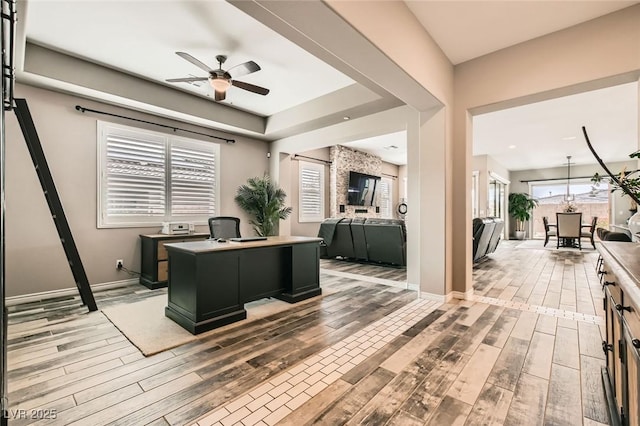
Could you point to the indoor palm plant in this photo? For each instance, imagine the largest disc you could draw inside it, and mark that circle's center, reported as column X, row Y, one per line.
column 520, row 206
column 261, row 199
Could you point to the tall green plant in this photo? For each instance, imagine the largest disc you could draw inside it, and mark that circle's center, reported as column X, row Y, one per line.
column 520, row 206
column 264, row 202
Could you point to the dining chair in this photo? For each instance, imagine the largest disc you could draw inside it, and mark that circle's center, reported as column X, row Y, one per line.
column 587, row 231
column 550, row 230
column 224, row 227
column 569, row 227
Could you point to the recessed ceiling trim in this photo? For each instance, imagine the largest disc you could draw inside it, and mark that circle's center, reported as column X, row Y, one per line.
column 88, row 79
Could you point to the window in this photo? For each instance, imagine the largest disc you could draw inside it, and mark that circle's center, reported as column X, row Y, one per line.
column 311, row 200
column 474, row 194
column 386, row 195
column 146, row 178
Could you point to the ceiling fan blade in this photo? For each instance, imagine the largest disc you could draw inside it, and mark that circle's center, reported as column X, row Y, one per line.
column 244, row 69
column 186, row 79
column 194, row 61
column 220, row 96
column 250, row 87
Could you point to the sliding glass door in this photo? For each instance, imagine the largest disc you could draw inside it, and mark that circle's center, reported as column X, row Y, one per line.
column 589, row 200
column 496, row 198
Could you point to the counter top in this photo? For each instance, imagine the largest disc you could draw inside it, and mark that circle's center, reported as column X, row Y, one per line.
column 624, row 260
column 206, row 246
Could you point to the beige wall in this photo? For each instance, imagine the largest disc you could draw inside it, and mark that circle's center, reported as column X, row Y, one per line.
column 485, row 164
column 595, row 54
column 35, row 261
column 430, row 262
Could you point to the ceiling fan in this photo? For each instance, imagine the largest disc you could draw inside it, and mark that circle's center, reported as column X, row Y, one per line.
column 220, row 79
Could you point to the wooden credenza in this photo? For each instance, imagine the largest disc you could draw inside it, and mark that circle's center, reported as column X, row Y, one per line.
column 619, row 274
column 154, row 265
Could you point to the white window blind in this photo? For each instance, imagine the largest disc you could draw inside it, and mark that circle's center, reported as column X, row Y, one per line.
column 385, row 195
column 311, row 201
column 147, row 178
column 193, row 181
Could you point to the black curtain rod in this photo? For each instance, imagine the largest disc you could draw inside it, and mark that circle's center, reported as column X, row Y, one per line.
column 563, row 178
column 391, row 176
column 295, row 156
column 578, row 177
column 174, row 128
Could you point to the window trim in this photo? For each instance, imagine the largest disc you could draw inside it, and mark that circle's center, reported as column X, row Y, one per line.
column 321, row 168
column 105, row 128
column 389, row 182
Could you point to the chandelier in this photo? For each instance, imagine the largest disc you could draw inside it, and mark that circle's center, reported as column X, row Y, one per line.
column 569, row 197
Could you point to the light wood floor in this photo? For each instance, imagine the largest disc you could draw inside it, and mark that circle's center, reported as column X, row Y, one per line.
column 526, row 352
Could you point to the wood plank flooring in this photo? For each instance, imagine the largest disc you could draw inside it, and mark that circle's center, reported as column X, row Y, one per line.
column 367, row 354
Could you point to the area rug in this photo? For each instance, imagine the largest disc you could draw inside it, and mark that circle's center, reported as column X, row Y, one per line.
column 551, row 245
column 146, row 326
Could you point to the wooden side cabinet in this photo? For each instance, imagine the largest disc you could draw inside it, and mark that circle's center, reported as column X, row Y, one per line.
column 620, row 277
column 154, row 265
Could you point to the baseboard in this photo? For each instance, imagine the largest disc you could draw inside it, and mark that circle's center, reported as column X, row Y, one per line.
column 435, row 297
column 52, row 294
column 468, row 295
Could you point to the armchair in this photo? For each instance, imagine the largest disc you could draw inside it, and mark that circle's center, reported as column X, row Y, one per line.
column 550, row 230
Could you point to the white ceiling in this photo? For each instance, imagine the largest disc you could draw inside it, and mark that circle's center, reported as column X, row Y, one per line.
column 468, row 29
column 542, row 134
column 391, row 147
column 141, row 38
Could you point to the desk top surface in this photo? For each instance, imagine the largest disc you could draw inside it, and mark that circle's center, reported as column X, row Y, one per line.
column 212, row 245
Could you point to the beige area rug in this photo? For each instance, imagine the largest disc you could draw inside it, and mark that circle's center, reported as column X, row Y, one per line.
column 146, row 326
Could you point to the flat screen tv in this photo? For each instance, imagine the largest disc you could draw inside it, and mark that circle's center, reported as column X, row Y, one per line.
column 362, row 189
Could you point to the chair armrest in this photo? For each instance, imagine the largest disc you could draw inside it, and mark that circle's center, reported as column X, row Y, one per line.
column 552, row 225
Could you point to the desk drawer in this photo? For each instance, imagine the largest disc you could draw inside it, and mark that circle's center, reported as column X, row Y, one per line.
column 163, row 270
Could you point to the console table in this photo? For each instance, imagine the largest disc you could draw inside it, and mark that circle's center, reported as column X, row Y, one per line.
column 154, row 270
column 619, row 270
column 209, row 282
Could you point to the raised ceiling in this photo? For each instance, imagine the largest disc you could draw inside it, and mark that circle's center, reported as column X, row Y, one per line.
column 140, row 38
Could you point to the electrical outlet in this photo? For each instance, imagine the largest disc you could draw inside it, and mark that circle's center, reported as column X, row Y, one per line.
column 119, row 263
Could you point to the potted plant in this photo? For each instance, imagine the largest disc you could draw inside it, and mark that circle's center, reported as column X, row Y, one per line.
column 520, row 206
column 261, row 199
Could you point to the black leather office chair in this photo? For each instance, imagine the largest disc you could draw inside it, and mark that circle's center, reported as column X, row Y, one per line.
column 224, row 227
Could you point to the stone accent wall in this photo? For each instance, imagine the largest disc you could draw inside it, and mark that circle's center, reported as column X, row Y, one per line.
column 343, row 161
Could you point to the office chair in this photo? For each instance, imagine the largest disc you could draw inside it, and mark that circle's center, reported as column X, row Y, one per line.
column 224, row 227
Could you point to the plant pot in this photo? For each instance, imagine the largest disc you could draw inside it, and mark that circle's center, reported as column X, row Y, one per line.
column 520, row 235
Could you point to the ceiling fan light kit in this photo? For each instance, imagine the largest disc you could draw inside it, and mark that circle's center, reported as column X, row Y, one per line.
column 220, row 79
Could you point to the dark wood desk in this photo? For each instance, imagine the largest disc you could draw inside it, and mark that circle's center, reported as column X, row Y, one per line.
column 209, row 282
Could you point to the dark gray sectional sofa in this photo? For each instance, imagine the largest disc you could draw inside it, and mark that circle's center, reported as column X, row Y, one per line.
column 486, row 236
column 372, row 240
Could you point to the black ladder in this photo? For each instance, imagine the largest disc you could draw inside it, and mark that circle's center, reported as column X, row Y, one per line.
column 53, row 200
